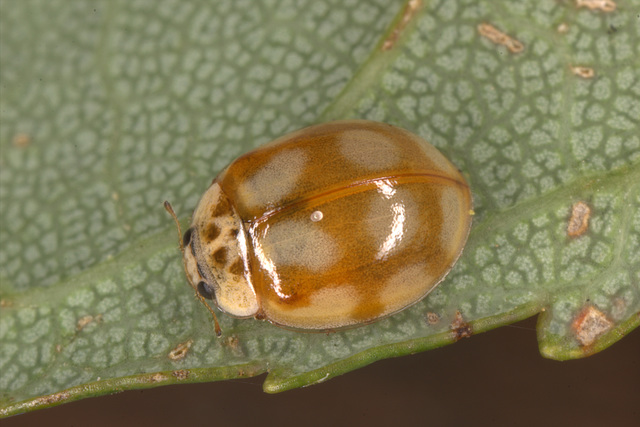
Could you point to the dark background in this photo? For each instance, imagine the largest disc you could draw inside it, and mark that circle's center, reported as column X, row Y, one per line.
column 496, row 378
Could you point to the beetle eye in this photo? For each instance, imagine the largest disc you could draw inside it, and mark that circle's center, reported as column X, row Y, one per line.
column 186, row 238
column 205, row 290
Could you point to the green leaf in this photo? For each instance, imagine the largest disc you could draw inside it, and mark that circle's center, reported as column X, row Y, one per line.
column 108, row 108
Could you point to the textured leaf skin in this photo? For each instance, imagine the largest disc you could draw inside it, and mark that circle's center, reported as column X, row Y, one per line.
column 110, row 107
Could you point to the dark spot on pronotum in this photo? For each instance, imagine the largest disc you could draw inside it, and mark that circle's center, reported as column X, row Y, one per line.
column 234, row 232
column 205, row 291
column 237, row 267
column 211, row 232
column 221, row 208
column 186, row 238
column 220, row 256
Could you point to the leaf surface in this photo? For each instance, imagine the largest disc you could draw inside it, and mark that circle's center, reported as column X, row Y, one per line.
column 108, row 108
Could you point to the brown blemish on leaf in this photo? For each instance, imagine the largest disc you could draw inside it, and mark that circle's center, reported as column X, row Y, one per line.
column 49, row 399
column 579, row 221
column 86, row 320
column 409, row 12
column 603, row 5
column 21, row 140
column 181, row 350
column 5, row 303
column 589, row 324
column 83, row 321
column 461, row 329
column 233, row 343
column 181, row 374
column 498, row 37
column 432, row 318
column 584, row 72
column 156, row 378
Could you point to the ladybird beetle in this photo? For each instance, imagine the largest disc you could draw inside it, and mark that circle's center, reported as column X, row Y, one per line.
column 329, row 227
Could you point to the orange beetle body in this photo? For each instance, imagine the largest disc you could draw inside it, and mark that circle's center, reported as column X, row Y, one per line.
column 329, row 227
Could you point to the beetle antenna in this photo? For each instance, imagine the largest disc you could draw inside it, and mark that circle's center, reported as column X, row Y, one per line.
column 169, row 209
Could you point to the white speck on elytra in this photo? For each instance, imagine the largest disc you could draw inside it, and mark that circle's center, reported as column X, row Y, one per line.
column 316, row 216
